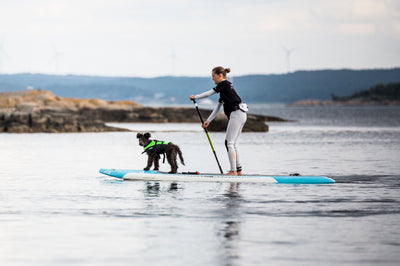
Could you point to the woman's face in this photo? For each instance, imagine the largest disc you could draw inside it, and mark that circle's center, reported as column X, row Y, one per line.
column 217, row 78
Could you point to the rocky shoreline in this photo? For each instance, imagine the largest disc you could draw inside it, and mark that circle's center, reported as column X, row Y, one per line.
column 34, row 111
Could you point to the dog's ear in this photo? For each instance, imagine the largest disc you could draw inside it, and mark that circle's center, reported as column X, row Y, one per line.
column 139, row 135
column 147, row 135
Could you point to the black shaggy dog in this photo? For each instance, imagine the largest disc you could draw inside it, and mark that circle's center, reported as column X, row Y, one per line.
column 155, row 148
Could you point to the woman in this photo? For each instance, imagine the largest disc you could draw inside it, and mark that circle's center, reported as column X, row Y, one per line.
column 234, row 109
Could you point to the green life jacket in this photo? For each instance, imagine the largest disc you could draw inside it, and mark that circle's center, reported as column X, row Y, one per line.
column 154, row 144
column 157, row 147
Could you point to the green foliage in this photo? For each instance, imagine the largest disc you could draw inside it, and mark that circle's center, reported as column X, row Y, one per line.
column 379, row 92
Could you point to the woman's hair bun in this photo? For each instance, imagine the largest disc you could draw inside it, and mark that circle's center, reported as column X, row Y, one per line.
column 221, row 70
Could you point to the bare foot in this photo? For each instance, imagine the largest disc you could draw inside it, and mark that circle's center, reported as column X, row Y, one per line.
column 231, row 173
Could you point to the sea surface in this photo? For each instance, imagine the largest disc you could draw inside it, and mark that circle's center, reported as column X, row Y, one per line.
column 56, row 209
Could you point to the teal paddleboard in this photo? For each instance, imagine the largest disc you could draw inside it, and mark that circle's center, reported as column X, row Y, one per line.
column 126, row 174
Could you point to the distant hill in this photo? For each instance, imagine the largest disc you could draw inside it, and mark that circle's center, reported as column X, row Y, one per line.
column 378, row 93
column 319, row 85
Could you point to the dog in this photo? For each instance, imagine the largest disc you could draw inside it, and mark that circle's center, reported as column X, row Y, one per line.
column 155, row 148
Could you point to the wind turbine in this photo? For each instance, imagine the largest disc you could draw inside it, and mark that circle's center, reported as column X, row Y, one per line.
column 173, row 58
column 288, row 53
column 56, row 58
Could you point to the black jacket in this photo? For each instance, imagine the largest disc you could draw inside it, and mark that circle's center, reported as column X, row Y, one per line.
column 228, row 97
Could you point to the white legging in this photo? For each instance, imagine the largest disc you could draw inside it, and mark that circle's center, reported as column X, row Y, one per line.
column 235, row 125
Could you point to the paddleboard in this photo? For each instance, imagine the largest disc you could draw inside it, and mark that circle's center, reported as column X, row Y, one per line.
column 126, row 174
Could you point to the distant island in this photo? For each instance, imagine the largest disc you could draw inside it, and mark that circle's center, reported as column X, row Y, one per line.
column 380, row 94
column 175, row 90
column 31, row 111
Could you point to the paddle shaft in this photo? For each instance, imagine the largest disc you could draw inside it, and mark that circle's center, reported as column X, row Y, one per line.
column 208, row 135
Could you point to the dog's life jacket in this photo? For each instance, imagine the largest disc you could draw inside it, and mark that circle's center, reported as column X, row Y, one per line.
column 156, row 146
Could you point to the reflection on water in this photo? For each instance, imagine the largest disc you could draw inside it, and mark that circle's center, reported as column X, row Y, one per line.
column 57, row 209
column 227, row 220
column 153, row 188
column 229, row 232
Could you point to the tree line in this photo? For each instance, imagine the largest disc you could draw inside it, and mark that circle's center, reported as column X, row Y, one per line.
column 379, row 92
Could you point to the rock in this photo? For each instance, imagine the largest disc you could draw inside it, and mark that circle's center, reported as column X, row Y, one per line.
column 253, row 124
column 41, row 111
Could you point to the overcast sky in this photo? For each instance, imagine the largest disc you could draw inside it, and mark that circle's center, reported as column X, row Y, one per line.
column 157, row 38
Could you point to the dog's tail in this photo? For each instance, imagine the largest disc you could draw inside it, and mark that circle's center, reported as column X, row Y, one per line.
column 180, row 156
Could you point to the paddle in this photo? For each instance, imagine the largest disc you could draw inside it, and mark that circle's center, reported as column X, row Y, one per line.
column 208, row 136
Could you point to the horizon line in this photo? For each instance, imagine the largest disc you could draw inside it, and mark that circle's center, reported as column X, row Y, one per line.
column 195, row 76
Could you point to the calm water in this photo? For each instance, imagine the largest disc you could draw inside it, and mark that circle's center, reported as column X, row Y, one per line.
column 56, row 209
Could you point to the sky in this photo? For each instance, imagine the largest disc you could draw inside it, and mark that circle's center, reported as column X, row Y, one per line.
column 188, row 38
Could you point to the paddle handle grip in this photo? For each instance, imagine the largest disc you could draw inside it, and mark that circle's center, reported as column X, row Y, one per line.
column 198, row 111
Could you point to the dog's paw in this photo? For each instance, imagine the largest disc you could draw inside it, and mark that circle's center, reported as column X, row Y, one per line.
column 146, row 168
column 156, row 169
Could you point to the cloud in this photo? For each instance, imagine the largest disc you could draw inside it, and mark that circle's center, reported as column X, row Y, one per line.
column 351, row 10
column 129, row 37
column 352, row 29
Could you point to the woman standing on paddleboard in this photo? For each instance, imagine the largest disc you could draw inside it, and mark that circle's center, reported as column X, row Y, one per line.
column 234, row 109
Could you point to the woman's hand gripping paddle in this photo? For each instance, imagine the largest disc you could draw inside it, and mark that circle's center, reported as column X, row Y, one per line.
column 208, row 136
